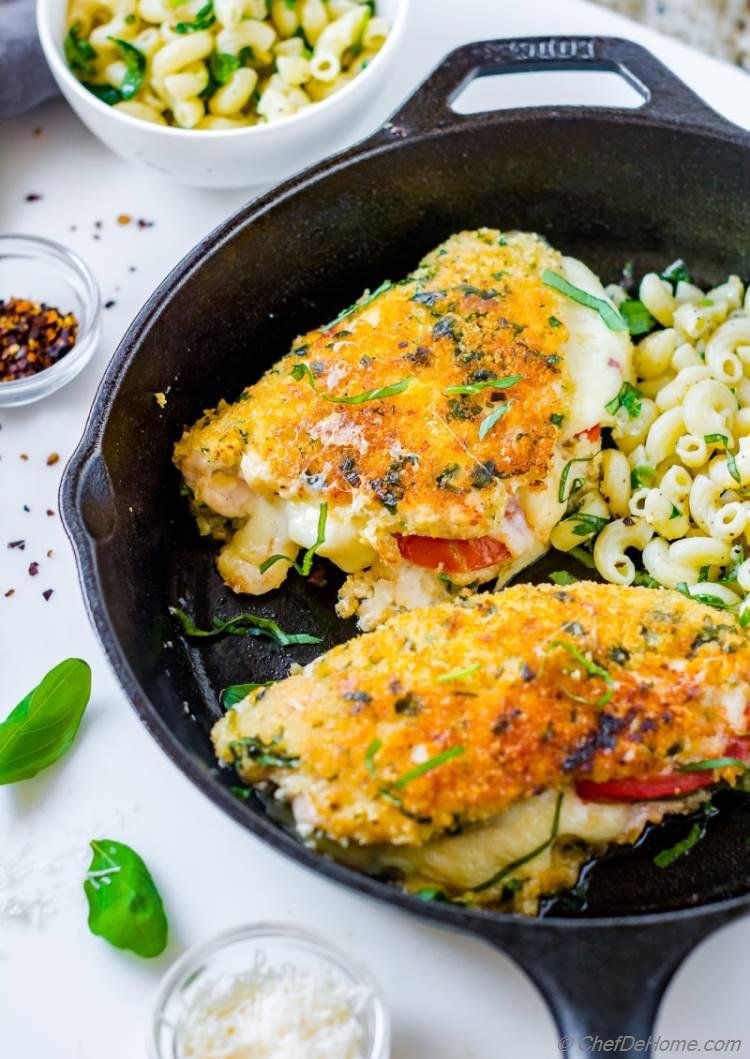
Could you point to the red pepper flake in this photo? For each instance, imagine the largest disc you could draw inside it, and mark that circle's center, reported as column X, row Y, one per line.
column 33, row 197
column 50, row 553
column 10, row 592
column 53, row 458
column 109, row 304
column 124, row 218
column 33, row 569
column 26, row 508
column 17, row 544
column 142, row 223
column 50, row 512
column 48, row 593
column 38, row 130
column 97, row 224
column 24, row 456
column 33, row 336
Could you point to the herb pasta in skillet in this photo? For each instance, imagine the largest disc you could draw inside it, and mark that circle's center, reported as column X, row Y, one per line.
column 427, row 440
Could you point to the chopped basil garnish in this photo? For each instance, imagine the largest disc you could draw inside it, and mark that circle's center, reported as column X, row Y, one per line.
column 458, row 674
column 676, row 273
column 627, row 398
column 204, row 19
column 723, row 440
column 591, row 668
column 222, row 65
column 557, row 419
column 234, row 693
column 428, row 766
column 636, row 316
column 510, row 868
column 712, row 763
column 584, row 557
column 641, row 476
column 494, row 417
column 669, row 856
column 386, row 285
column 300, row 371
column 125, row 907
column 243, row 625
column 562, row 577
column 501, row 383
column 79, row 53
column 370, row 753
column 587, row 524
column 703, row 597
column 264, row 754
column 135, row 64
column 106, row 93
column 305, row 566
column 610, row 316
column 566, row 473
column 553, row 321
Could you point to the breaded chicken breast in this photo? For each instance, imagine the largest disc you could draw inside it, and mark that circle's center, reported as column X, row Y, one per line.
column 507, row 738
column 420, row 440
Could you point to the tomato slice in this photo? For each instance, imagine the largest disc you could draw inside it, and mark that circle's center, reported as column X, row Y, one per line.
column 739, row 748
column 593, row 433
column 454, row 556
column 644, row 789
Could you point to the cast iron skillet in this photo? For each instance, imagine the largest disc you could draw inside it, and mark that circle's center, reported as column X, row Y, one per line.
column 608, row 185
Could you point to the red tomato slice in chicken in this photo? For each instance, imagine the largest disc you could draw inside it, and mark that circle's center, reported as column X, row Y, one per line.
column 644, row 789
column 455, row 557
column 592, row 434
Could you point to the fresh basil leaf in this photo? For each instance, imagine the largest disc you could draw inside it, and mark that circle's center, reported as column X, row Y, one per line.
column 427, row 766
column 641, row 476
column 713, row 763
column 495, row 416
column 591, row 668
column 723, row 440
column 135, row 63
column 458, row 674
column 79, row 54
column 565, row 475
column 222, row 65
column 204, row 19
column 124, row 905
column 106, row 93
column 301, row 371
column 669, row 856
column 636, row 316
column 370, row 753
column 269, row 755
column 587, row 524
column 242, row 625
column 44, row 724
column 234, row 693
column 610, row 316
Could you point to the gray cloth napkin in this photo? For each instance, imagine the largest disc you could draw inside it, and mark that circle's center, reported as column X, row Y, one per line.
column 25, row 79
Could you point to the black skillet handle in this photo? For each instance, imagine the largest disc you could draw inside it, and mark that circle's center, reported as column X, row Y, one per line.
column 666, row 98
column 606, row 980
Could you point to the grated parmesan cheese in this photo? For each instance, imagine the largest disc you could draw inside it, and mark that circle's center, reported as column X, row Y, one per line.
column 275, row 1013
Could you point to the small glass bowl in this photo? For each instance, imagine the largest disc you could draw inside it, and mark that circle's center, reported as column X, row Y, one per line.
column 43, row 271
column 234, row 952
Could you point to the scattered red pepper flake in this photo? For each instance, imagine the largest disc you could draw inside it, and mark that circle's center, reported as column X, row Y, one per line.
column 33, row 336
column 24, row 456
column 124, row 218
column 26, row 508
column 48, row 593
column 143, row 223
column 50, row 512
column 33, row 569
column 17, row 544
column 33, row 197
column 10, row 592
column 109, row 304
column 50, row 553
column 53, row 458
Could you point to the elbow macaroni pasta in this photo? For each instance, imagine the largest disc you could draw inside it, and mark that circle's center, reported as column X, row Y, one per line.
column 217, row 64
column 676, row 487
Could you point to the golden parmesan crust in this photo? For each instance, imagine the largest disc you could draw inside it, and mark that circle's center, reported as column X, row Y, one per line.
column 474, row 309
column 365, row 714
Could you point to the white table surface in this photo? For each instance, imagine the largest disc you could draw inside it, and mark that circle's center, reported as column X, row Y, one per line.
column 65, row 994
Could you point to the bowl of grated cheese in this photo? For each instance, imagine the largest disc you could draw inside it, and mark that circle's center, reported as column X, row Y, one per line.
column 268, row 991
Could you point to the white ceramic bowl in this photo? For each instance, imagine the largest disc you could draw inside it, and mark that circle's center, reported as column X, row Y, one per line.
column 261, row 154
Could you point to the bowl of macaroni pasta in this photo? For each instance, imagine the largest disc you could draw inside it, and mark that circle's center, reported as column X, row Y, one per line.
column 221, row 93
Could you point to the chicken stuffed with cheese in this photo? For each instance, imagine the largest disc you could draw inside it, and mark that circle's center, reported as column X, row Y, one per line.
column 488, row 749
column 423, row 440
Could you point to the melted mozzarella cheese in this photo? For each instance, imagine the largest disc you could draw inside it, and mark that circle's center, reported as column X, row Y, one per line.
column 597, row 359
column 465, row 861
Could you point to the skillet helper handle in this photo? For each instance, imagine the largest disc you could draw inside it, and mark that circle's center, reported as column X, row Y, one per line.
column 666, row 97
column 605, row 982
